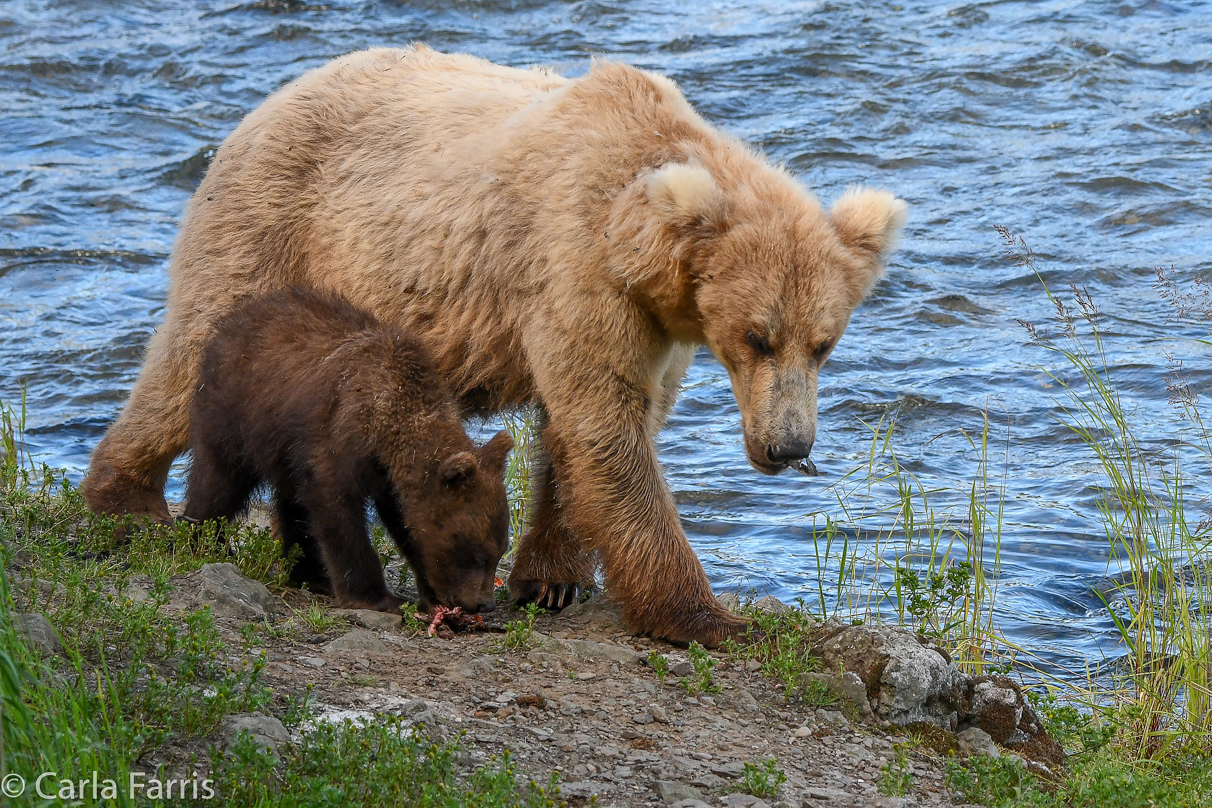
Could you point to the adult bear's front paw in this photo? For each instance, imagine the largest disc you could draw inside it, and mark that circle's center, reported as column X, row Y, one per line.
column 710, row 627
column 550, row 596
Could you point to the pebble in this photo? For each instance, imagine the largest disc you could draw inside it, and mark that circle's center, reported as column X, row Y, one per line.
column 312, row 662
column 832, row 718
column 772, row 605
column 266, row 731
column 359, row 640
column 753, row 666
column 38, row 631
column 731, row 768
column 738, row 800
column 682, row 668
column 671, row 792
column 642, row 718
column 975, row 741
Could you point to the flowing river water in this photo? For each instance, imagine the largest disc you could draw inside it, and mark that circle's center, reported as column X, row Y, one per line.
column 1086, row 127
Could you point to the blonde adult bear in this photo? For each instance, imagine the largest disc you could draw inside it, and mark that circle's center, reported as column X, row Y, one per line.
column 558, row 242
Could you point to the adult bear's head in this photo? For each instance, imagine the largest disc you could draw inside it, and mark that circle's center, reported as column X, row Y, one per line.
column 773, row 279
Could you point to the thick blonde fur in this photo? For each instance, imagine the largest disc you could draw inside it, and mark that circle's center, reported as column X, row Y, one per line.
column 554, row 241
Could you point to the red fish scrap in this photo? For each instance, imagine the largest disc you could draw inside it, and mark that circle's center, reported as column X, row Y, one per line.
column 497, row 582
column 454, row 616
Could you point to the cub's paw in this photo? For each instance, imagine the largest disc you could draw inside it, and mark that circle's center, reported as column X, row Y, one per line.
column 551, row 597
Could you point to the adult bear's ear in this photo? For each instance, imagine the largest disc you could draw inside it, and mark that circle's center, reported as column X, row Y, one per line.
column 492, row 454
column 457, row 469
column 868, row 221
column 685, row 195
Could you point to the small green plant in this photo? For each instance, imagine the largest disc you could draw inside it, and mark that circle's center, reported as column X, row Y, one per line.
column 816, row 693
column 896, row 776
column 934, row 599
column 318, row 620
column 783, row 647
column 995, row 782
column 519, row 634
column 702, row 662
column 763, row 779
column 659, row 664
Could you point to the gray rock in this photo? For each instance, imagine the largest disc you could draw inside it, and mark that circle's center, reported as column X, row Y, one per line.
column 230, row 594
column 369, row 618
column 420, row 713
column 825, row 794
column 852, row 690
column 772, row 605
column 583, row 789
column 832, row 718
column 914, row 682
column 730, row 601
column 997, row 706
column 37, row 630
column 670, row 792
column 907, row 680
column 266, row 731
column 683, row 668
column 359, row 640
column 682, row 804
column 753, row 666
column 739, row 698
column 847, row 687
column 738, row 800
column 708, row 781
column 658, row 712
column 588, row 649
column 600, row 612
column 975, row 741
column 642, row 718
column 312, row 662
column 730, row 768
column 890, row 802
column 478, row 668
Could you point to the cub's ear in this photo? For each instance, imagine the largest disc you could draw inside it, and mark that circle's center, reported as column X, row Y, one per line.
column 868, row 221
column 457, row 469
column 685, row 195
column 492, row 454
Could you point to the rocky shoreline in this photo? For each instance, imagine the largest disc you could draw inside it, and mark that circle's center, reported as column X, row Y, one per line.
column 579, row 695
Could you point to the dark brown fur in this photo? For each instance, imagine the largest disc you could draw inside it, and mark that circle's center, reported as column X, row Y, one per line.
column 331, row 408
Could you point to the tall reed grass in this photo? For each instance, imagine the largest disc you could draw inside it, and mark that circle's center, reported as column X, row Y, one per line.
column 1161, row 552
column 901, row 548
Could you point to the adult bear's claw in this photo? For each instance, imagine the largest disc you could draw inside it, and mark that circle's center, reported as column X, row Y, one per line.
column 551, row 597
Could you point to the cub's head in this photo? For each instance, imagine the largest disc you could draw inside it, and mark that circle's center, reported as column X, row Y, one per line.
column 458, row 527
column 775, row 279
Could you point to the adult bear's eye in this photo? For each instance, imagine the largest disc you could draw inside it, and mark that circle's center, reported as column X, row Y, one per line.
column 822, row 351
column 759, row 343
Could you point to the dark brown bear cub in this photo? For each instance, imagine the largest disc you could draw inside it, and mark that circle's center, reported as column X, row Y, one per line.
column 332, row 408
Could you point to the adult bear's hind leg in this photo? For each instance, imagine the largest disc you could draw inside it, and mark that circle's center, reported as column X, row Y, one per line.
column 550, row 567
column 129, row 467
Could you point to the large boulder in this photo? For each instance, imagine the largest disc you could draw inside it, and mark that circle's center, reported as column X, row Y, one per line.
column 909, row 680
